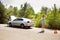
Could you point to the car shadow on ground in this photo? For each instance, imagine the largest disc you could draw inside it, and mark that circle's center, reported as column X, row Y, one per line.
column 18, row 27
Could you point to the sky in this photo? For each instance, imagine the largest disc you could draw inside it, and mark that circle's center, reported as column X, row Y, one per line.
column 36, row 4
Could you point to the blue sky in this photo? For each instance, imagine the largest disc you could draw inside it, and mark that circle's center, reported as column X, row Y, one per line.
column 36, row 4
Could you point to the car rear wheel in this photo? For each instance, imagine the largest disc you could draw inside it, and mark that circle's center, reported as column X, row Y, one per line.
column 28, row 26
column 22, row 25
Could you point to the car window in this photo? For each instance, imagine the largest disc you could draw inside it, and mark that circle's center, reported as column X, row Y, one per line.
column 18, row 20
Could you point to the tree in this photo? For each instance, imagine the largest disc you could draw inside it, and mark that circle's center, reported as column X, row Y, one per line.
column 15, row 11
column 30, row 13
column 3, row 17
column 26, row 11
column 22, row 11
column 44, row 10
column 54, row 20
column 10, row 11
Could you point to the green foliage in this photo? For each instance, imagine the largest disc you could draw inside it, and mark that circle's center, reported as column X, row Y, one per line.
column 26, row 10
column 3, row 17
column 15, row 11
column 10, row 11
column 23, row 10
column 44, row 10
column 52, row 18
column 38, row 20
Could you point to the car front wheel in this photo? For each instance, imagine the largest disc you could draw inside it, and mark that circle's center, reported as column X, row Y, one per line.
column 10, row 25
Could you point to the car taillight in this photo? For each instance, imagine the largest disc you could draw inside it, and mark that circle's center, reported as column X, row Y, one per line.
column 28, row 22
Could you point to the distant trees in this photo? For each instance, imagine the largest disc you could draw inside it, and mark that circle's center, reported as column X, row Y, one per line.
column 38, row 16
column 15, row 11
column 3, row 16
column 23, row 10
column 54, row 20
column 10, row 11
column 44, row 10
column 27, row 11
column 52, row 17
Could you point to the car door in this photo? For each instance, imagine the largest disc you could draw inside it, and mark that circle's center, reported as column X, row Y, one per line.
column 17, row 22
column 14, row 22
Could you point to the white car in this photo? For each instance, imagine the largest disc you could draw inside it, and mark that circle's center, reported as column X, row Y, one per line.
column 21, row 22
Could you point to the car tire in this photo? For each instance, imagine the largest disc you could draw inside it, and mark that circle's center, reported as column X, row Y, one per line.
column 10, row 25
column 22, row 25
column 28, row 26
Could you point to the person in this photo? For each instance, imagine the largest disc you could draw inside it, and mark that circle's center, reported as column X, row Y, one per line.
column 9, row 18
column 43, row 24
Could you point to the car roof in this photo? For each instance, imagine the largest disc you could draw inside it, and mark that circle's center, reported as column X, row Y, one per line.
column 24, row 18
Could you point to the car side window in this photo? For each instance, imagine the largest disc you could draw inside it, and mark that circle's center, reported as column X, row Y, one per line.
column 15, row 20
column 18, row 20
